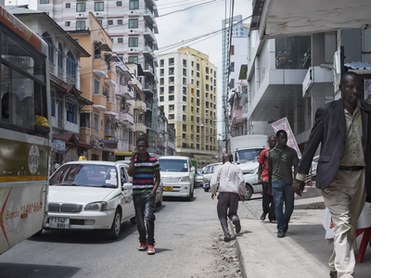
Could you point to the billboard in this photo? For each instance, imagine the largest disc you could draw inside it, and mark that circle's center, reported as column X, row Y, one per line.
column 284, row 124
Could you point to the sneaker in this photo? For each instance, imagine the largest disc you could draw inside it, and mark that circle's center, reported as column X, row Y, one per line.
column 150, row 249
column 281, row 234
column 142, row 246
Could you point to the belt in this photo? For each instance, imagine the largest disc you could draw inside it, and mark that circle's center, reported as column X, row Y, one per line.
column 351, row 168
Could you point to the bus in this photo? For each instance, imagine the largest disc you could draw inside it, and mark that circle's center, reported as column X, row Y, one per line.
column 25, row 137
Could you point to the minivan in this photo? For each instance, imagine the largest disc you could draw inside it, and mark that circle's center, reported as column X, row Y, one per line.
column 177, row 176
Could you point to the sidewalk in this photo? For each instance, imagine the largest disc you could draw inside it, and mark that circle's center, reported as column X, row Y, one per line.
column 304, row 252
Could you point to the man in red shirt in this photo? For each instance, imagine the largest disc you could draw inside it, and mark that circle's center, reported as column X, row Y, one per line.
column 268, row 200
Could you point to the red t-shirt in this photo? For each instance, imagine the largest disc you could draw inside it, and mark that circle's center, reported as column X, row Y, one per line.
column 262, row 159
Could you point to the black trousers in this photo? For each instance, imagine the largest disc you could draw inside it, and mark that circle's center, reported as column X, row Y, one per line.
column 144, row 206
column 227, row 206
column 268, row 203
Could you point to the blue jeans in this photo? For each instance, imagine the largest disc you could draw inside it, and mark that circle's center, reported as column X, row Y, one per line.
column 282, row 193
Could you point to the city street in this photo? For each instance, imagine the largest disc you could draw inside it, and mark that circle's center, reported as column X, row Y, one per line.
column 188, row 244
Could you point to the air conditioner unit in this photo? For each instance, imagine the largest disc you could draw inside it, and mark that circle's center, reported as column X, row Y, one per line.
column 81, row 15
column 134, row 13
column 99, row 15
column 134, row 31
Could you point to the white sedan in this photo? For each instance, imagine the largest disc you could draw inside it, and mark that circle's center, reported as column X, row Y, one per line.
column 252, row 185
column 89, row 195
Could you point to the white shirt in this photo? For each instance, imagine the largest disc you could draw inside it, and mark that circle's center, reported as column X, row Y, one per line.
column 230, row 178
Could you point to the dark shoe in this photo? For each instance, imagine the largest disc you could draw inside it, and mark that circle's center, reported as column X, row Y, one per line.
column 281, row 234
column 333, row 274
column 262, row 217
column 227, row 238
column 237, row 225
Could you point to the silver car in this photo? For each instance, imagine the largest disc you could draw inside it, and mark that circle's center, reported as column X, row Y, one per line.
column 90, row 195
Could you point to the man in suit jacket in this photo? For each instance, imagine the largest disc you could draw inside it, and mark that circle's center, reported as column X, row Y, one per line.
column 343, row 128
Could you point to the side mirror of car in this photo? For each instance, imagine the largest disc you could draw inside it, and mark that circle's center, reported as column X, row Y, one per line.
column 127, row 186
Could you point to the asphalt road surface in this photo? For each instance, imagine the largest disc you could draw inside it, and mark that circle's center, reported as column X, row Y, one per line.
column 188, row 244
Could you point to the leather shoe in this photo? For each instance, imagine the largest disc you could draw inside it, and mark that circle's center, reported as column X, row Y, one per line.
column 227, row 238
column 281, row 234
column 262, row 217
column 333, row 274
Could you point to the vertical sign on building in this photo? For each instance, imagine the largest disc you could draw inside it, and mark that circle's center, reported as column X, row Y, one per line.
column 284, row 124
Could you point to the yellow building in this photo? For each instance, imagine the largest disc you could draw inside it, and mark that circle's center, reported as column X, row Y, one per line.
column 187, row 84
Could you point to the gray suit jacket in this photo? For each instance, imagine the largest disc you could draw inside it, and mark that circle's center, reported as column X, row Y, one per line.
column 329, row 130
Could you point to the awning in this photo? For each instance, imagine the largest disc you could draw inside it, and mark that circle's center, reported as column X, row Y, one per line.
column 71, row 140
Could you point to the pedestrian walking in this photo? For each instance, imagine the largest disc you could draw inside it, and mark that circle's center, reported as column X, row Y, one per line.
column 230, row 183
column 281, row 159
column 145, row 171
column 343, row 128
column 267, row 199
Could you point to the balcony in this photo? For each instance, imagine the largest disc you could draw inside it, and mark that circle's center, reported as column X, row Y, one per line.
column 111, row 109
column 136, row 84
column 125, row 118
column 140, row 105
column 140, row 128
column 100, row 102
column 124, row 91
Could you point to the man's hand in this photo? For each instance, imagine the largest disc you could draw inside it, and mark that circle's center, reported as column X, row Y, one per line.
column 212, row 195
column 242, row 197
column 298, row 187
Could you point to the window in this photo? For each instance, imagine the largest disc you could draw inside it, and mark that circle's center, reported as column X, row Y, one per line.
column 133, row 59
column 120, row 40
column 67, row 23
column 71, row 112
column 133, row 23
column 80, row 7
column 80, row 25
column 44, row 1
column 85, row 120
column 171, row 97
column 171, row 116
column 100, row 22
column 161, row 62
column 53, row 107
column 133, row 4
column 119, row 3
column 96, row 123
column 96, row 87
column 171, row 61
column 60, row 56
column 98, row 6
column 172, row 107
column 161, row 99
column 110, row 22
column 106, row 93
column 60, row 110
column 49, row 42
column 71, row 65
column 293, row 52
column 120, row 22
column 67, row 5
column 133, row 42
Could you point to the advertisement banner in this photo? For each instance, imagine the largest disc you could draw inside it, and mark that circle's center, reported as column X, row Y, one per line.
column 284, row 124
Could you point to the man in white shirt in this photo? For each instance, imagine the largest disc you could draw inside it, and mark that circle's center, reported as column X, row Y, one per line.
column 230, row 183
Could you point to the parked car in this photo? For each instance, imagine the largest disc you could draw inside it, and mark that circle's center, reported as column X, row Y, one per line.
column 252, row 185
column 199, row 178
column 90, row 195
column 159, row 193
column 207, row 174
column 177, row 175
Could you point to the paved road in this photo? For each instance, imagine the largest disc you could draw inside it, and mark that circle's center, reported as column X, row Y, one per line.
column 184, row 246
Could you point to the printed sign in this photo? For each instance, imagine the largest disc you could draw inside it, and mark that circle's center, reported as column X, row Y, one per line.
column 284, row 124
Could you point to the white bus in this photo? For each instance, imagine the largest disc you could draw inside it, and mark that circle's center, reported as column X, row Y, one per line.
column 25, row 137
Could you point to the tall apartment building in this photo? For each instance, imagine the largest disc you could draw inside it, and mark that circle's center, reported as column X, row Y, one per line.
column 187, row 93
column 131, row 26
column 231, row 28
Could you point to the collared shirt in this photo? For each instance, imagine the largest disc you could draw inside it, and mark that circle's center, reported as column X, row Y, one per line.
column 281, row 162
column 143, row 180
column 230, row 178
column 353, row 154
column 262, row 159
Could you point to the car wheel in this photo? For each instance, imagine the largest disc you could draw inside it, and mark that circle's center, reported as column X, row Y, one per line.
column 113, row 233
column 248, row 193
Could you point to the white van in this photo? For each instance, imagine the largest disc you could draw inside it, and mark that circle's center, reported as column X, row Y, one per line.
column 177, row 176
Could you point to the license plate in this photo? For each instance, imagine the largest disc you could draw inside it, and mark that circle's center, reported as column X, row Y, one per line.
column 59, row 222
column 168, row 188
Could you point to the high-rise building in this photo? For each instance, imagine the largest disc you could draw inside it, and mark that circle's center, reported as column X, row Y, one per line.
column 187, row 93
column 231, row 28
column 131, row 26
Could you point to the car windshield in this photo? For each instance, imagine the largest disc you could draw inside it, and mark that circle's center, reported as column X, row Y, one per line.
column 247, row 155
column 174, row 165
column 85, row 175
